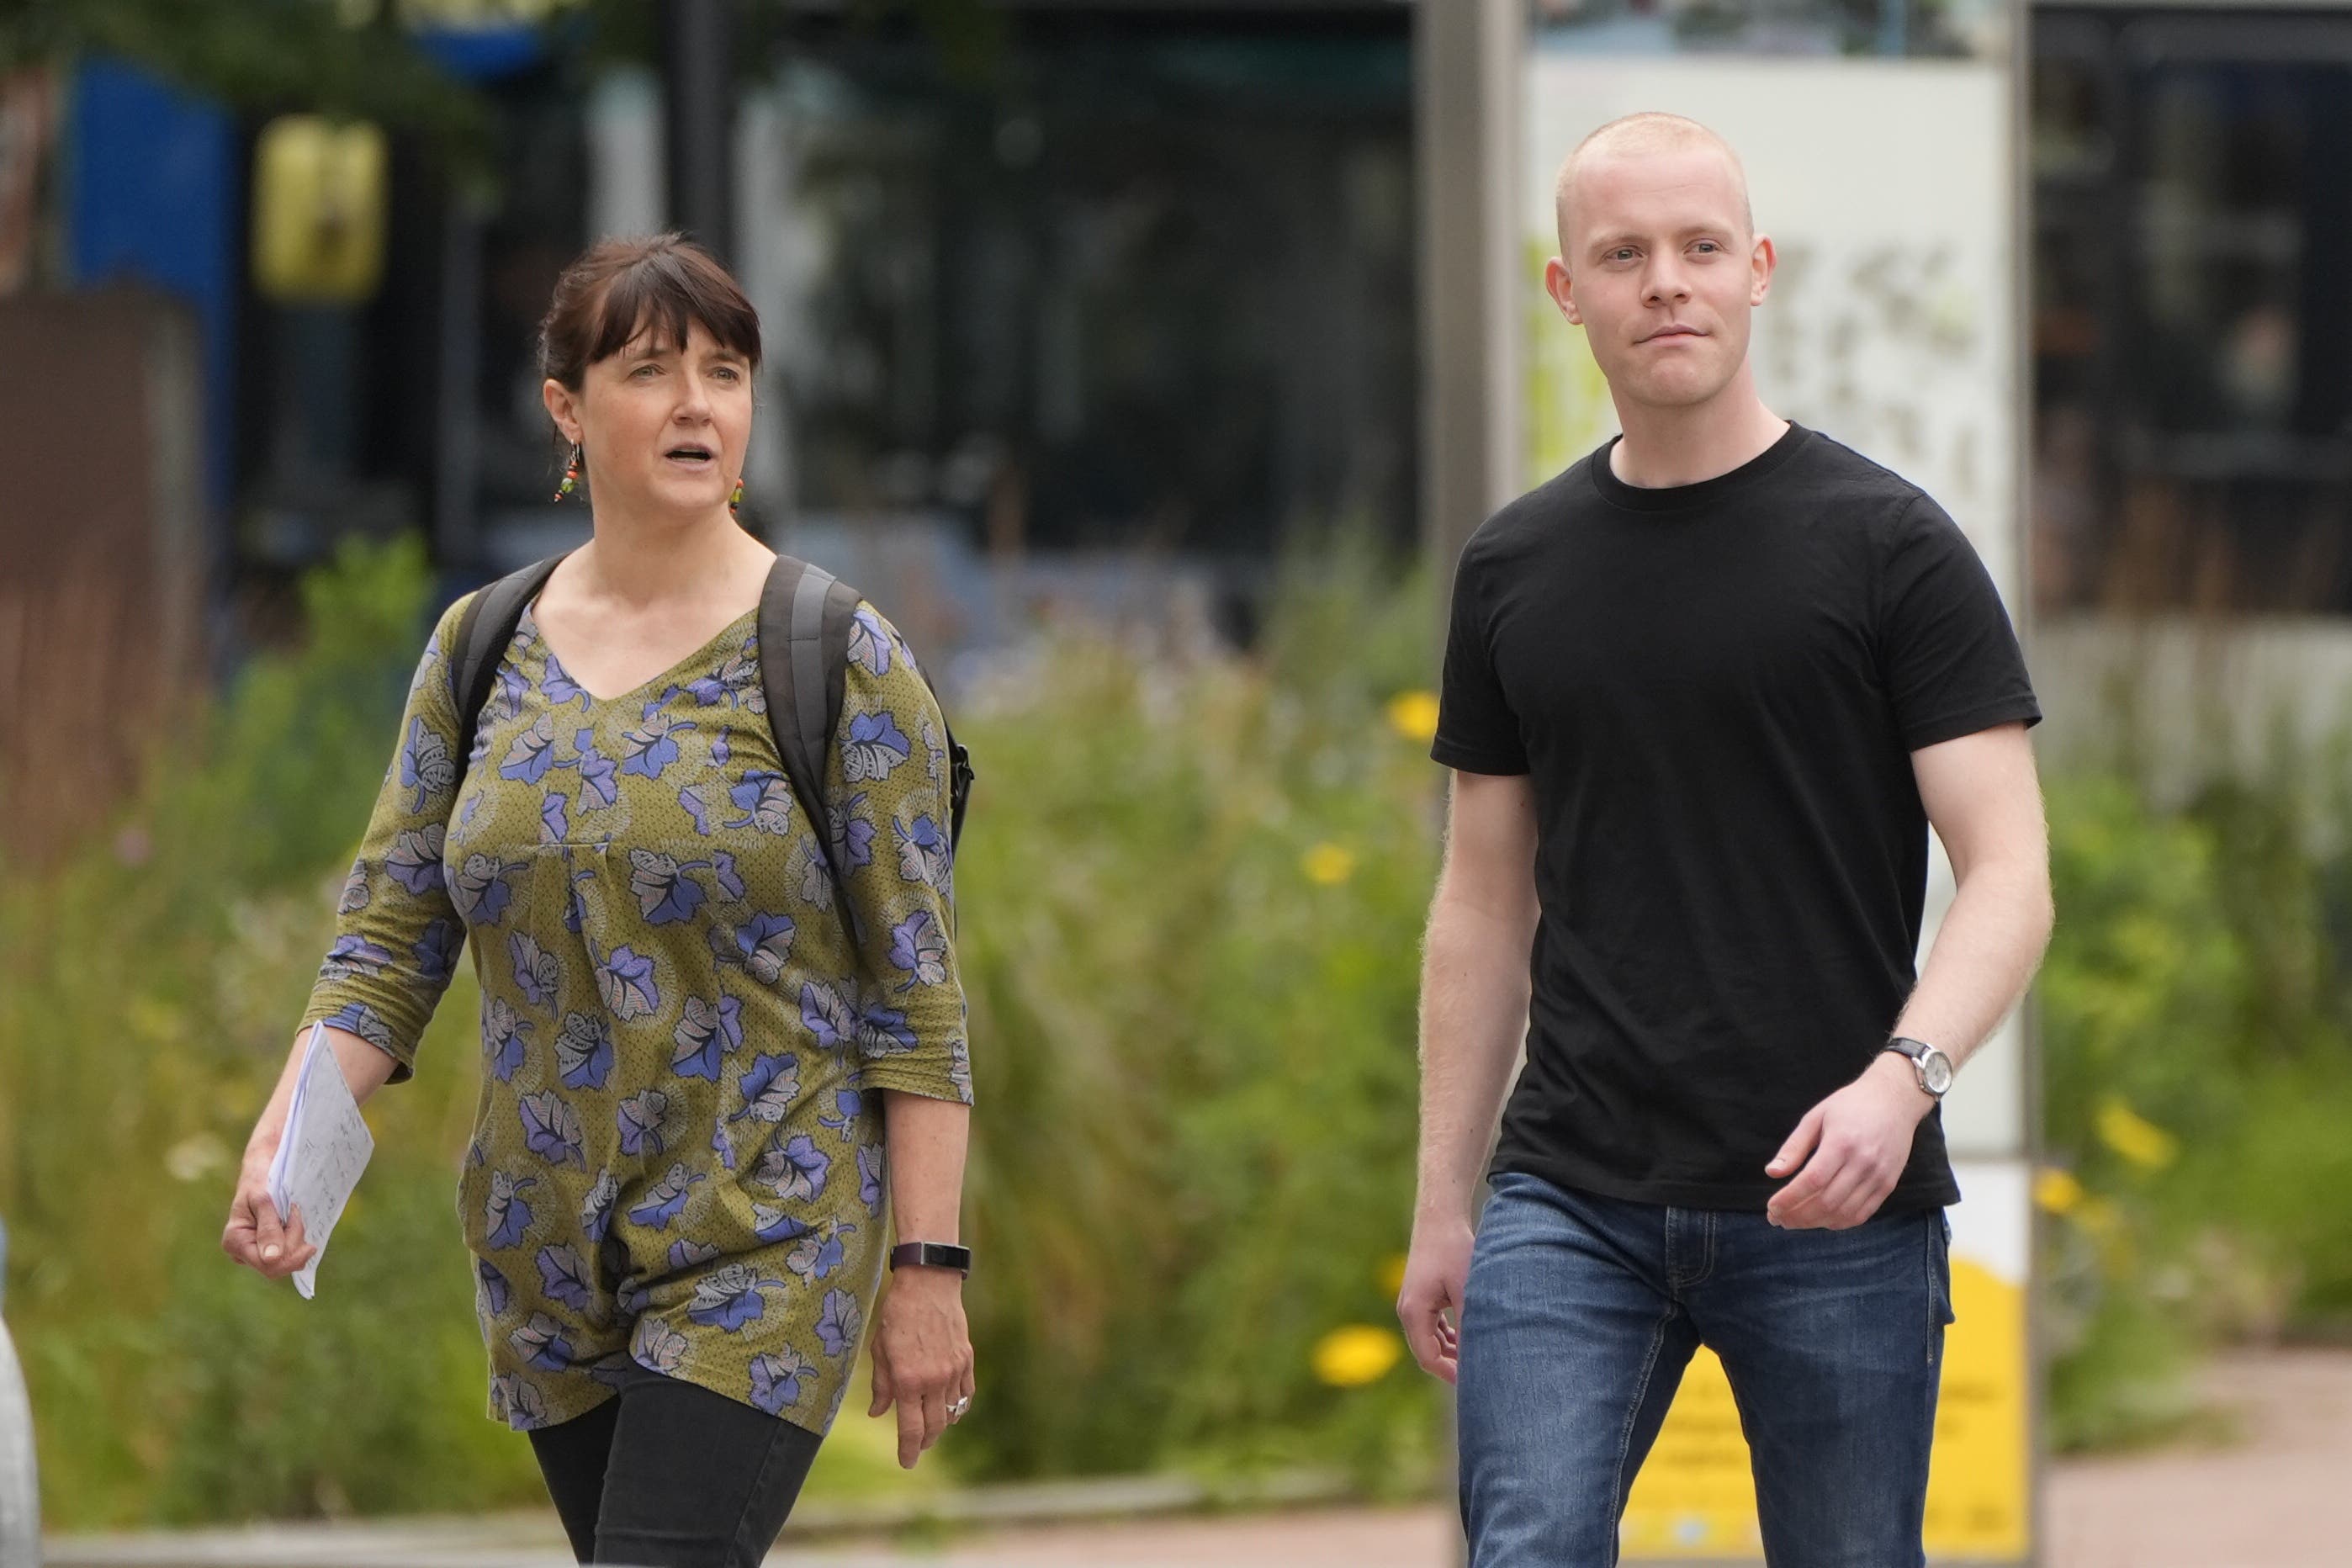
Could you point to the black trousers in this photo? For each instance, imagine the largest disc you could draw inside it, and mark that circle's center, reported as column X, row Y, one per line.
column 670, row 1474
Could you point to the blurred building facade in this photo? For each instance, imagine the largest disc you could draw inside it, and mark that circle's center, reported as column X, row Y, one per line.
column 2191, row 341
column 1095, row 293
column 1095, row 300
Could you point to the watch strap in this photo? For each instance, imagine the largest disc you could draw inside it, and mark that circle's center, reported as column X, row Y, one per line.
column 932, row 1255
column 1918, row 1051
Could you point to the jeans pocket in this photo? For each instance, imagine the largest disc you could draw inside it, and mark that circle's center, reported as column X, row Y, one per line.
column 1940, row 1280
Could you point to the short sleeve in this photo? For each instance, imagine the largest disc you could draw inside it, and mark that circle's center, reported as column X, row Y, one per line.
column 397, row 934
column 887, row 786
column 1946, row 652
column 1476, row 730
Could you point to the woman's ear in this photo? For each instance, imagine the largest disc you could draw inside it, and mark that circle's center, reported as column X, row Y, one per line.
column 561, row 408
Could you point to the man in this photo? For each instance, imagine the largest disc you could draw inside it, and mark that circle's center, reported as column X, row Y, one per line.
column 1705, row 692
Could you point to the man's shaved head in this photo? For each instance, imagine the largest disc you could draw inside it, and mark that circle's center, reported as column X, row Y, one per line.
column 1633, row 136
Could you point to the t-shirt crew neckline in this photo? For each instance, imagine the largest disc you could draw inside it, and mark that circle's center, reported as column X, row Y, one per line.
column 1683, row 498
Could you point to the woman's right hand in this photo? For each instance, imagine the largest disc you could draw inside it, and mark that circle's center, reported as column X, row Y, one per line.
column 254, row 1235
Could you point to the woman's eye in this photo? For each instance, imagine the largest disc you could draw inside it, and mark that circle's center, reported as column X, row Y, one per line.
column 729, row 372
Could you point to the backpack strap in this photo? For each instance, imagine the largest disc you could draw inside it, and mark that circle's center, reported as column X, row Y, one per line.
column 484, row 630
column 805, row 619
column 805, row 616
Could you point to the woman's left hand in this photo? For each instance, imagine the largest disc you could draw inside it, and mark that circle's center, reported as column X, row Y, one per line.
column 922, row 1356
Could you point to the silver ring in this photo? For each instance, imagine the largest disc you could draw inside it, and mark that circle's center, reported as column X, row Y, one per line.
column 957, row 1407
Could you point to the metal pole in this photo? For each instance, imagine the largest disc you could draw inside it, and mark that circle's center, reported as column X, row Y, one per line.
column 2028, row 1144
column 1468, row 58
column 699, row 104
column 457, row 538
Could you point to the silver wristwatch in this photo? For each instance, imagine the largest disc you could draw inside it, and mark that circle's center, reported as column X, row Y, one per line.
column 1934, row 1067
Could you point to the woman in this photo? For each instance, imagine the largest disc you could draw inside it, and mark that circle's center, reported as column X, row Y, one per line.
column 703, row 1021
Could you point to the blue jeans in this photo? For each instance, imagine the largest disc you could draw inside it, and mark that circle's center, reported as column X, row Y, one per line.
column 1583, row 1311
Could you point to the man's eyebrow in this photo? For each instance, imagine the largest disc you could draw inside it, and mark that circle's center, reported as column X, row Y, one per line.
column 1690, row 231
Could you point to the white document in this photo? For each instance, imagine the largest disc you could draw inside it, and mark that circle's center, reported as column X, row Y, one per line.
column 325, row 1147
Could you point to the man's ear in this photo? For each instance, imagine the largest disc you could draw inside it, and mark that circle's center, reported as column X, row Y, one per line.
column 1762, row 259
column 1561, row 286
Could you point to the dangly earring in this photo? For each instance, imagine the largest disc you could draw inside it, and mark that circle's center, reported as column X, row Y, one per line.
column 735, row 501
column 570, row 474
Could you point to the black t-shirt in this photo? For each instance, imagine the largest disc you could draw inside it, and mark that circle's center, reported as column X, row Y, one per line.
column 1717, row 689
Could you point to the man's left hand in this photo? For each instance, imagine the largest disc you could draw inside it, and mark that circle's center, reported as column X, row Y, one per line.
column 1852, row 1149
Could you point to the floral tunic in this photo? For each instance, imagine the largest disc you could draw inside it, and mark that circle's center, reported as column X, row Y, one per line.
column 678, row 1154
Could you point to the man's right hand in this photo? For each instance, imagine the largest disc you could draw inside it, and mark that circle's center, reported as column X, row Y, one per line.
column 1436, row 1272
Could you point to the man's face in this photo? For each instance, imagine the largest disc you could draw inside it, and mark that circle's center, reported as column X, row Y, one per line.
column 1659, row 268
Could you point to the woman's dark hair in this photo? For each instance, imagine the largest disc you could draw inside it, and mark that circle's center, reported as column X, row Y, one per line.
column 619, row 288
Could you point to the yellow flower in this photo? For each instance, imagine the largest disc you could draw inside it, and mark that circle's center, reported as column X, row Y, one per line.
column 2056, row 1190
column 1413, row 715
column 1393, row 1275
column 2142, row 1142
column 1328, row 865
column 1357, row 1354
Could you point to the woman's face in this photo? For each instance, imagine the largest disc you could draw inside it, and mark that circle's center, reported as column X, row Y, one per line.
column 662, row 430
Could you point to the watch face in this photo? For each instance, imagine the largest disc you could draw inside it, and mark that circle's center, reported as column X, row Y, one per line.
column 1936, row 1069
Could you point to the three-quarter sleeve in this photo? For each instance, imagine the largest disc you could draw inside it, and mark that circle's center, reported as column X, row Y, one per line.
column 887, row 786
column 397, row 934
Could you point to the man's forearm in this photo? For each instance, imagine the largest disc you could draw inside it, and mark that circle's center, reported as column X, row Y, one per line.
column 1474, row 1009
column 1984, row 955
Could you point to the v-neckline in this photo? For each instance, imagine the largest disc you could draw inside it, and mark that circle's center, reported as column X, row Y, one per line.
column 638, row 690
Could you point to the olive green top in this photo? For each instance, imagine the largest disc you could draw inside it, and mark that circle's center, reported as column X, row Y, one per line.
column 678, row 1156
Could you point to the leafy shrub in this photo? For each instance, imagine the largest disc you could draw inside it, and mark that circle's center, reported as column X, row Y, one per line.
column 1193, row 1158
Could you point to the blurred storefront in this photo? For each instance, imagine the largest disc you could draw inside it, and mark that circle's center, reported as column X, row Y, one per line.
column 2192, row 344
column 1123, row 289
column 1091, row 300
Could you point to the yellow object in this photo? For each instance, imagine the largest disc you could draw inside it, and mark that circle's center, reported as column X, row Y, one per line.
column 1328, row 865
column 2141, row 1141
column 1413, row 715
column 1357, row 1354
column 1696, row 1499
column 318, row 201
column 1393, row 1275
column 1569, row 411
column 2056, row 1190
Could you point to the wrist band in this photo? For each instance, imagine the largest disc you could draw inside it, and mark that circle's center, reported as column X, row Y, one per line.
column 932, row 1255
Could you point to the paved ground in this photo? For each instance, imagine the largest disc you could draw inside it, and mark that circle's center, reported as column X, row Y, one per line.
column 2281, row 1498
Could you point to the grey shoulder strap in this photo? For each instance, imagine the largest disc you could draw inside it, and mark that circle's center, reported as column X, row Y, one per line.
column 804, row 615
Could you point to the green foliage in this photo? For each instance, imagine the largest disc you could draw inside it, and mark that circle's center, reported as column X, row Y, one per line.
column 2194, row 989
column 1193, row 1157
column 266, row 55
column 1197, row 1078
column 1197, row 1081
column 1192, row 894
column 145, row 1009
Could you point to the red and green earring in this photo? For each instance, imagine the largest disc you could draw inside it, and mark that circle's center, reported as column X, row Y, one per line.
column 735, row 501
column 570, row 474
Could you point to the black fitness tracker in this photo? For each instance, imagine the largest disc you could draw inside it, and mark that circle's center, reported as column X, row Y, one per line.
column 932, row 1255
